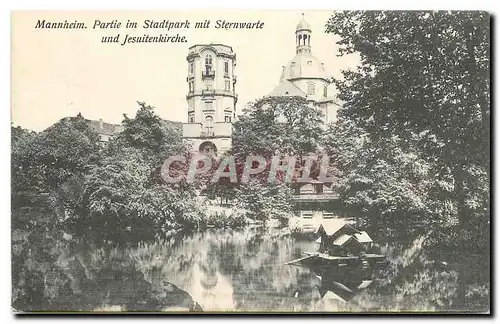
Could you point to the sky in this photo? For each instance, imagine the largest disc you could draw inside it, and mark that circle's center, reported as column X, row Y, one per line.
column 58, row 73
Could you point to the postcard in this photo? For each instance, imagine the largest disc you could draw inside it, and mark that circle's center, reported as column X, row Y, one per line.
column 250, row 162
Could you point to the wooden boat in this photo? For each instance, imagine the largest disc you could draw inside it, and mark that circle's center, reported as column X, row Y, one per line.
column 316, row 259
column 344, row 262
column 341, row 246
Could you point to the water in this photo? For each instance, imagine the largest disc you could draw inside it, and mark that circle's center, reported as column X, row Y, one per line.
column 222, row 270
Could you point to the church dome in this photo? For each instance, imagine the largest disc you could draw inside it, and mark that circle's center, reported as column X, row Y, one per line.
column 303, row 25
column 304, row 65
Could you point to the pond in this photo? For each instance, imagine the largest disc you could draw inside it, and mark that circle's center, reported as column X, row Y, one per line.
column 224, row 270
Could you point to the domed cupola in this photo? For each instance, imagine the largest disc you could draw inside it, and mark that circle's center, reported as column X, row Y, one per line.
column 303, row 25
column 304, row 64
column 303, row 36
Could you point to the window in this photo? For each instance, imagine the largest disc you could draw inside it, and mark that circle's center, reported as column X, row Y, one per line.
column 227, row 119
column 307, row 214
column 325, row 91
column 310, row 88
column 191, row 117
column 191, row 86
column 191, row 67
column 226, row 67
column 209, row 106
column 328, row 215
column 227, row 85
column 208, row 63
column 208, row 125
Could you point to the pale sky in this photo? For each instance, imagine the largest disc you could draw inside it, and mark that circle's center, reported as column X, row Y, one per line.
column 58, row 73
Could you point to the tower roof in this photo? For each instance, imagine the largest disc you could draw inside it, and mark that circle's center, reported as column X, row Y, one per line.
column 303, row 25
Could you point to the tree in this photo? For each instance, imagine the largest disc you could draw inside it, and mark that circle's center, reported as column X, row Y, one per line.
column 419, row 94
column 260, row 201
column 69, row 148
column 48, row 168
column 24, row 155
column 277, row 125
column 156, row 138
column 270, row 127
column 423, row 73
column 126, row 192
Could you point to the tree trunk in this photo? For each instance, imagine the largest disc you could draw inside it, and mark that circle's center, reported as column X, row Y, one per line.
column 462, row 243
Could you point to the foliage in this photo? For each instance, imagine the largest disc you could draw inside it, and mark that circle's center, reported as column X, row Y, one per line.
column 277, row 125
column 48, row 170
column 423, row 80
column 271, row 126
column 412, row 141
column 126, row 191
column 148, row 133
column 262, row 201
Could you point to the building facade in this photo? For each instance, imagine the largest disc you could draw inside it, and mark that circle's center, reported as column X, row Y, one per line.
column 105, row 130
column 211, row 98
column 305, row 76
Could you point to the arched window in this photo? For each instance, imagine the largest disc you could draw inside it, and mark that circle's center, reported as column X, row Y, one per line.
column 208, row 59
column 208, row 62
column 209, row 128
column 310, row 88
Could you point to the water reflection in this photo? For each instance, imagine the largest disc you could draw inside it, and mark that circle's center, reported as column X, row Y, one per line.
column 225, row 270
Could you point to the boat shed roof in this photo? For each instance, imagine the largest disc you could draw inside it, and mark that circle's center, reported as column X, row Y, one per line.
column 342, row 239
column 332, row 226
column 363, row 237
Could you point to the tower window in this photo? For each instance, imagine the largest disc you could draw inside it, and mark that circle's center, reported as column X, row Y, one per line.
column 191, row 86
column 208, row 62
column 310, row 88
column 227, row 85
column 191, row 117
column 325, row 91
column 226, row 67
column 227, row 114
column 209, row 106
column 191, row 67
